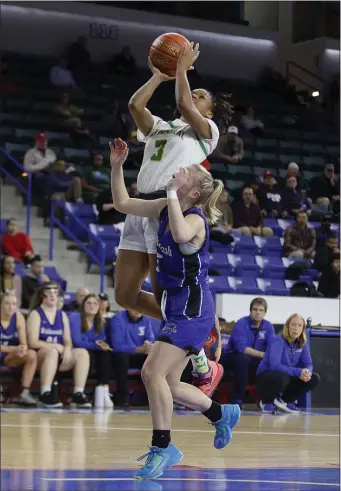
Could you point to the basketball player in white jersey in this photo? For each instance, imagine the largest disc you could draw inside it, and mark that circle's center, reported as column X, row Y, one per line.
column 169, row 146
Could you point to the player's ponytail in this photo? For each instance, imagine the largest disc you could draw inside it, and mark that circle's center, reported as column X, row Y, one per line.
column 210, row 190
column 210, row 209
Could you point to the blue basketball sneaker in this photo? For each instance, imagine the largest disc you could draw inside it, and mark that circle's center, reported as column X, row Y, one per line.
column 158, row 460
column 223, row 427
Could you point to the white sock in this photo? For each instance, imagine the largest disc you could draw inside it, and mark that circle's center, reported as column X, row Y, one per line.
column 78, row 389
column 25, row 392
column 200, row 363
column 45, row 388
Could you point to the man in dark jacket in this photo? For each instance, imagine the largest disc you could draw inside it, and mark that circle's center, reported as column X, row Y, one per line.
column 325, row 254
column 270, row 197
column 324, row 189
column 329, row 284
column 32, row 280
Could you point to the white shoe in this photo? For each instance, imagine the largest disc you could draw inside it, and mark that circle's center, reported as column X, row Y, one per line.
column 108, row 404
column 283, row 406
column 27, row 399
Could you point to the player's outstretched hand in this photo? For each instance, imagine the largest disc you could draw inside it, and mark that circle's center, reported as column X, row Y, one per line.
column 155, row 71
column 118, row 152
column 178, row 180
column 188, row 56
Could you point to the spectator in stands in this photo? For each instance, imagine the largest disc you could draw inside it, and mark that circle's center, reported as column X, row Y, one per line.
column 39, row 158
column 270, row 197
column 326, row 252
column 17, row 244
column 34, row 278
column 294, row 171
column 329, row 284
column 133, row 192
column 9, row 281
column 123, row 62
column 49, row 334
column 324, row 190
column 69, row 116
column 250, row 123
column 247, row 217
column 299, row 239
column 132, row 338
column 293, row 199
column 96, row 178
column 79, row 56
column 285, row 373
column 61, row 77
column 322, row 232
column 230, row 147
column 107, row 214
column 62, row 185
column 116, row 120
column 221, row 231
column 76, row 305
column 13, row 346
column 104, row 304
column 250, row 337
column 87, row 331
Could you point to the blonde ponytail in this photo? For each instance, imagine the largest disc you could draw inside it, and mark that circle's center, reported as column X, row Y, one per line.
column 210, row 190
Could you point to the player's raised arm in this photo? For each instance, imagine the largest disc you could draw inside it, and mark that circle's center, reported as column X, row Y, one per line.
column 120, row 196
column 183, row 94
column 138, row 102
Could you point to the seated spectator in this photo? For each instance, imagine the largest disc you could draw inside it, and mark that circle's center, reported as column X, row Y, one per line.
column 79, row 56
column 32, row 280
column 230, row 146
column 323, row 232
column 9, row 281
column 221, row 231
column 87, row 331
column 62, row 185
column 285, row 373
column 75, row 305
column 17, row 244
column 13, row 346
column 250, row 337
column 132, row 338
column 96, row 178
column 116, row 120
column 270, row 197
column 39, row 158
column 69, row 116
column 326, row 252
column 247, row 216
column 61, row 77
column 293, row 199
column 49, row 334
column 133, row 192
column 299, row 239
column 329, row 284
column 324, row 190
column 294, row 171
column 123, row 62
column 104, row 305
column 107, row 214
column 250, row 123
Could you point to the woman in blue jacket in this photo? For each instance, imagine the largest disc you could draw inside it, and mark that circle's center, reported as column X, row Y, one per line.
column 87, row 331
column 286, row 372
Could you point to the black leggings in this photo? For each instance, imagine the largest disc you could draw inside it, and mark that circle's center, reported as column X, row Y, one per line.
column 271, row 384
column 101, row 362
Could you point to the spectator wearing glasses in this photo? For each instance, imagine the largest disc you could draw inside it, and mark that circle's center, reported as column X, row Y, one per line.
column 247, row 215
column 49, row 334
column 88, row 332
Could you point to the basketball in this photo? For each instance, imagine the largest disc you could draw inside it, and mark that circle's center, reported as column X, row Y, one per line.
column 165, row 52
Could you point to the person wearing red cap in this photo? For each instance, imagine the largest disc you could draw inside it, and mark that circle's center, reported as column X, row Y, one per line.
column 40, row 157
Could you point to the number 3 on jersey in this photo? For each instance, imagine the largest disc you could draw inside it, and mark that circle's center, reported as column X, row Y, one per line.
column 160, row 146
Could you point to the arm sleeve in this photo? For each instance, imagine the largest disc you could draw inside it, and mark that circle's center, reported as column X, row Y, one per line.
column 143, row 138
column 238, row 338
column 306, row 361
column 27, row 243
column 77, row 339
column 271, row 334
column 274, row 360
column 117, row 337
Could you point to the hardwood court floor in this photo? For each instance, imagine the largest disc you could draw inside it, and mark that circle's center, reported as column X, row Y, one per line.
column 97, row 451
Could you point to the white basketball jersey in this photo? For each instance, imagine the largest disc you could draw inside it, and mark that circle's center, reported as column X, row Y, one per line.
column 170, row 146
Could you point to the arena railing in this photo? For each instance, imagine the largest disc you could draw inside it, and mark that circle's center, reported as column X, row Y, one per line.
column 26, row 191
column 54, row 220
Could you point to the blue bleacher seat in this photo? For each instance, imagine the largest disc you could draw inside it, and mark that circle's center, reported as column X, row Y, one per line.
column 219, row 261
column 76, row 152
column 314, row 148
column 269, row 246
column 219, row 284
column 246, row 266
column 272, row 286
column 85, row 213
column 104, row 232
column 273, row 224
column 284, row 224
column 244, row 244
column 69, row 297
column 271, row 267
column 244, row 285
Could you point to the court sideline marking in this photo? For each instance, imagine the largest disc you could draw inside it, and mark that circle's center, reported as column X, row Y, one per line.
column 188, row 479
column 120, row 428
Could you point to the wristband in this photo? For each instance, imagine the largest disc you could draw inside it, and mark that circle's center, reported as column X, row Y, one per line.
column 171, row 194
